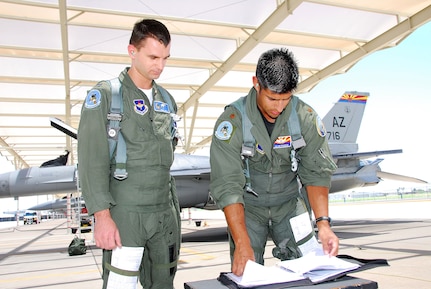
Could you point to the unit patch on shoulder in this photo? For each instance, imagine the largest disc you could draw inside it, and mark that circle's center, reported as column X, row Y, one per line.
column 224, row 130
column 139, row 106
column 320, row 126
column 93, row 99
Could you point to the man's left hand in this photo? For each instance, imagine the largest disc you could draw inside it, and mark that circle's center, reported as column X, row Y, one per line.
column 329, row 240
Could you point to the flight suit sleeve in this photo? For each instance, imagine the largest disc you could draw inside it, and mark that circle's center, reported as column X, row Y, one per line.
column 176, row 134
column 316, row 165
column 93, row 150
column 227, row 176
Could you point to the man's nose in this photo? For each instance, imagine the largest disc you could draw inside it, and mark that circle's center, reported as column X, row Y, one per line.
column 280, row 105
column 161, row 64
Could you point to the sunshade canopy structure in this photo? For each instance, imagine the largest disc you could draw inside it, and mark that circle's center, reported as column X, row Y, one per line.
column 53, row 52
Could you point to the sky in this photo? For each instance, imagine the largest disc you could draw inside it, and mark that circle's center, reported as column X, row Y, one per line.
column 397, row 112
column 398, row 80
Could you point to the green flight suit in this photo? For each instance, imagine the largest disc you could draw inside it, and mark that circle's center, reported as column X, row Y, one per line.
column 142, row 205
column 278, row 199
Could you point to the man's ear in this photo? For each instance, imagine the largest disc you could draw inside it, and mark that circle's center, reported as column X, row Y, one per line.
column 255, row 82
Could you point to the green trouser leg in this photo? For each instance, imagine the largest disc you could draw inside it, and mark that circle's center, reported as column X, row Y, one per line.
column 152, row 275
column 274, row 222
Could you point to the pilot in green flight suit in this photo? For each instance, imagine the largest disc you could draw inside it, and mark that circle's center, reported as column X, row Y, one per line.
column 137, row 216
column 268, row 202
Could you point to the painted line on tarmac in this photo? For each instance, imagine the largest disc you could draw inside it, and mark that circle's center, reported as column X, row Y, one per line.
column 202, row 256
column 17, row 279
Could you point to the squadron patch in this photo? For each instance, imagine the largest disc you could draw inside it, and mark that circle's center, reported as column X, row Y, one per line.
column 224, row 130
column 161, row 106
column 320, row 126
column 139, row 106
column 93, row 99
column 259, row 149
column 283, row 142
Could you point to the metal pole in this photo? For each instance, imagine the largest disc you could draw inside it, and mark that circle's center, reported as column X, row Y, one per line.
column 17, row 211
column 69, row 215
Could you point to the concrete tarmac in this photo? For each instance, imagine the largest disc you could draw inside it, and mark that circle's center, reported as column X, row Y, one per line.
column 35, row 256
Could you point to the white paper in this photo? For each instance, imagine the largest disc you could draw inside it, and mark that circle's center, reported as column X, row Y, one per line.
column 126, row 258
column 301, row 226
column 310, row 246
column 256, row 274
column 317, row 266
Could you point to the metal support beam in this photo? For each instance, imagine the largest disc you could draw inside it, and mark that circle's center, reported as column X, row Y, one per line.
column 255, row 38
column 280, row 14
column 391, row 36
column 19, row 162
column 65, row 45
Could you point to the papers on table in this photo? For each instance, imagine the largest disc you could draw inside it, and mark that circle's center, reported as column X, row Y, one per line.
column 315, row 267
column 256, row 274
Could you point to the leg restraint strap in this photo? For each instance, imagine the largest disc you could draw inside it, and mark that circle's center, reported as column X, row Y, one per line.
column 121, row 271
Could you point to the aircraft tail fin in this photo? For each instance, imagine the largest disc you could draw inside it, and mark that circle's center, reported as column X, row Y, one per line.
column 343, row 121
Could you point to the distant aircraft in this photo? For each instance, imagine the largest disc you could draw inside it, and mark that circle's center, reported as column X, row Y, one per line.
column 192, row 172
column 58, row 204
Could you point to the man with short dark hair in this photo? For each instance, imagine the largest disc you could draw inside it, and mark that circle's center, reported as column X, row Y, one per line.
column 130, row 191
column 265, row 147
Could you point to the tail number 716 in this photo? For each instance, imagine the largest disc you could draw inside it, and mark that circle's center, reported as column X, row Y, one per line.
column 333, row 135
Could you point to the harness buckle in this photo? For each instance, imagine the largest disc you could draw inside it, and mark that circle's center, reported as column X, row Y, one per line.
column 247, row 151
column 115, row 116
column 120, row 174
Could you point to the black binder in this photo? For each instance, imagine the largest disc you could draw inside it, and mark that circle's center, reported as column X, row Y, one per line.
column 365, row 264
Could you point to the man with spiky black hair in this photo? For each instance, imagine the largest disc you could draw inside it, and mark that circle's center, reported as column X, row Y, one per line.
column 268, row 147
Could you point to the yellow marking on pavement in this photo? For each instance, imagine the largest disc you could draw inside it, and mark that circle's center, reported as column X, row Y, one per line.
column 47, row 276
column 198, row 253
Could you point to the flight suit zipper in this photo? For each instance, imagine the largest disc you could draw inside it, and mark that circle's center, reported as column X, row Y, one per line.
column 269, row 218
column 268, row 189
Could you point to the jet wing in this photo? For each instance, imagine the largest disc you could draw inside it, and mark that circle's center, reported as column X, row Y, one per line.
column 365, row 155
column 396, row 177
column 190, row 165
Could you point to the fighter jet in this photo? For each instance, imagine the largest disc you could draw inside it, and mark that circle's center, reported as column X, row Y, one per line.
column 192, row 172
column 355, row 169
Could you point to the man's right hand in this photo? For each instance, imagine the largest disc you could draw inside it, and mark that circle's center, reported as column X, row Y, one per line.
column 240, row 257
column 235, row 218
column 106, row 233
